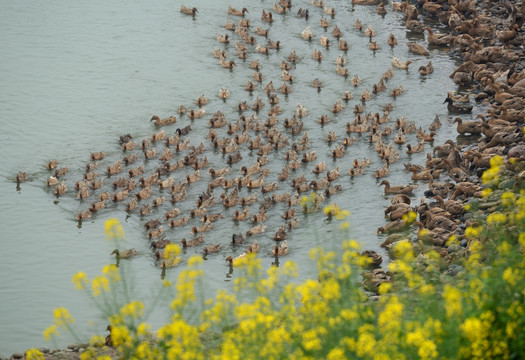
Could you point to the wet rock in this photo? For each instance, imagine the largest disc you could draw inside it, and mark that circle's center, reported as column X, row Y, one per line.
column 17, row 355
column 454, row 269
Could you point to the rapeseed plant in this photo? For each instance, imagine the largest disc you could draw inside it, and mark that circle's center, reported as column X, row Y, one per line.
column 421, row 313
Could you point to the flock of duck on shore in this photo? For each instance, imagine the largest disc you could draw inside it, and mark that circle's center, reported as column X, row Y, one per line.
column 156, row 173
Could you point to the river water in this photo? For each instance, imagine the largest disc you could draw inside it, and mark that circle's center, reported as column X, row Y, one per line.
column 77, row 75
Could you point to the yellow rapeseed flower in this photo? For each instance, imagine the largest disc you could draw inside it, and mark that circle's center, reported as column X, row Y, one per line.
column 113, row 229
column 511, row 276
column 97, row 340
column 508, row 198
column 452, row 298
column 134, row 309
column 98, row 284
column 496, row 218
column 62, row 317
column 51, row 331
column 472, row 232
column 111, row 272
column 384, row 288
column 410, row 217
column 80, row 280
column 336, row 354
column 143, row 329
column 496, row 160
column 195, row 260
column 428, row 350
column 171, row 251
column 34, row 354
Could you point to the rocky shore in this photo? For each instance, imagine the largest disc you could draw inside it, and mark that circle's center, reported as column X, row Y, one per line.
column 489, row 38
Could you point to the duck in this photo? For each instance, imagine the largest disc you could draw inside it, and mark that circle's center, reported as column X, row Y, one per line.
column 396, row 62
column 307, row 33
column 300, row 111
column 397, row 189
column 324, row 23
column 208, row 226
column 417, row 49
column 317, row 55
column 316, row 83
column 377, row 88
column 286, row 76
column 192, row 242
column 397, row 211
column 456, row 208
column 382, row 172
column 373, row 45
column 468, row 127
column 370, row 32
column 440, row 40
column 60, row 189
column 347, row 95
column 334, row 174
column 393, row 227
column 398, row 90
column 22, row 175
column 280, row 250
column 417, row 148
column 228, row 26
column 224, row 93
column 380, row 9
column 266, row 16
column 341, row 70
column 188, row 11
column 293, row 57
column 196, row 114
column 358, row 25
column 336, row 32
column 356, row 80
column 237, row 12
column 325, row 41
column 51, row 181
column 303, row 13
column 256, row 230
column 458, row 108
column 52, row 164
column 400, row 138
column 158, row 122
column 169, row 263
column 343, row 45
column 228, row 64
column 212, row 249
column 437, row 188
column 329, row 11
column 466, row 189
column 392, row 41
column 285, row 88
column 125, row 254
column 387, row 75
column 426, row 70
column 280, row 234
column 415, row 26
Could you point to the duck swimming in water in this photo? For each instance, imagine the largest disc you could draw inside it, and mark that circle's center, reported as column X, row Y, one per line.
column 188, row 11
column 458, row 108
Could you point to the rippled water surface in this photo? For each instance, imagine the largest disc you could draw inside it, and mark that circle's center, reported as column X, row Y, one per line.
column 77, row 75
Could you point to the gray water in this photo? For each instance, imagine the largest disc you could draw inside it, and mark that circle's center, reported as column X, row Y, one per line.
column 77, row 75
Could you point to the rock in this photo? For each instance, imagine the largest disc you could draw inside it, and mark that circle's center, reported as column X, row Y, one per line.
column 464, row 243
column 453, row 248
column 44, row 350
column 17, row 355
